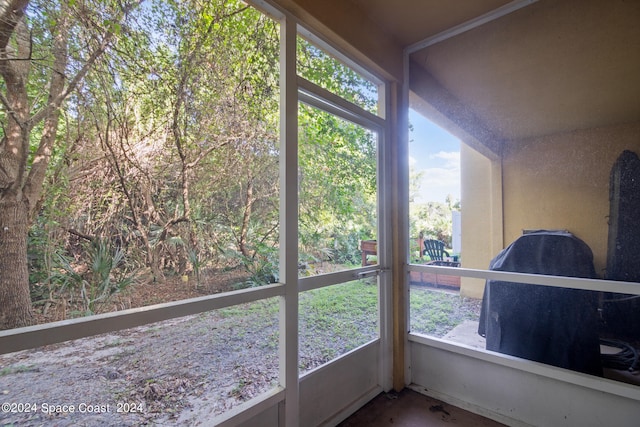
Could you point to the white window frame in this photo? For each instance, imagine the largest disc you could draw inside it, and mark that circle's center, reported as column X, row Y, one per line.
column 294, row 89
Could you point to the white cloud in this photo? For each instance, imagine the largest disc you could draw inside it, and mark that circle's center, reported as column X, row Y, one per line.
column 440, row 177
column 452, row 158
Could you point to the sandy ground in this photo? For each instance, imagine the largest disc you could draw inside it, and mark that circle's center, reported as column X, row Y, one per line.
column 179, row 372
column 154, row 375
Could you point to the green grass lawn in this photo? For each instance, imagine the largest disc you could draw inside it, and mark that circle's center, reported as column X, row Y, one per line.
column 335, row 320
column 339, row 318
column 435, row 312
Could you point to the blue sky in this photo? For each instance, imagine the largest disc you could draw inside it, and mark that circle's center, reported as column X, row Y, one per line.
column 437, row 153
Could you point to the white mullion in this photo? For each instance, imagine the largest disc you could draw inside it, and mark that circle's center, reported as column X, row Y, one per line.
column 288, row 352
column 314, row 95
column 335, row 278
column 71, row 329
column 385, row 294
column 534, row 279
column 402, row 219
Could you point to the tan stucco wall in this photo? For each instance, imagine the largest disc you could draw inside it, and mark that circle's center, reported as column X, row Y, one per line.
column 481, row 214
column 562, row 182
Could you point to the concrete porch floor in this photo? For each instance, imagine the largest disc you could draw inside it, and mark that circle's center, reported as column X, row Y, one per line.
column 412, row 409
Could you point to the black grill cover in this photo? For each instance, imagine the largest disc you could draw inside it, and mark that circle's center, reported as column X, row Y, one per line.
column 551, row 325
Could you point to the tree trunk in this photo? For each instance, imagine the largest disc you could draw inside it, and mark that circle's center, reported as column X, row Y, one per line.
column 15, row 300
column 246, row 217
column 21, row 180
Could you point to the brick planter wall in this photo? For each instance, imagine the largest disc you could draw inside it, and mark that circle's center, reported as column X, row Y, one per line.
column 436, row 280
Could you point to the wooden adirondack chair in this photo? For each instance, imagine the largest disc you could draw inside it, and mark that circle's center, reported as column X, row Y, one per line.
column 435, row 250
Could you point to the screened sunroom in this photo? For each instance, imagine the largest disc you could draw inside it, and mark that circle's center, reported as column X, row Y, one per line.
column 544, row 97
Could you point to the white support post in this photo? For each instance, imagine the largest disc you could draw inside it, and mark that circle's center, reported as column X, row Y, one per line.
column 402, row 365
column 385, row 191
column 289, row 223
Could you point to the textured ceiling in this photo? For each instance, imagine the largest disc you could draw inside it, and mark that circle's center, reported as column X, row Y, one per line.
column 552, row 66
column 410, row 21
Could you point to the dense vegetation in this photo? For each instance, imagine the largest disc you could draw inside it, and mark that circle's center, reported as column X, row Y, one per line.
column 140, row 141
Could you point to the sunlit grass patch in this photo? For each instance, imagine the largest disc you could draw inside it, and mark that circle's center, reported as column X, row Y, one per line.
column 435, row 312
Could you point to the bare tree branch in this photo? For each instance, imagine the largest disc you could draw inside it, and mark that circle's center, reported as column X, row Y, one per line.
column 57, row 94
column 55, row 102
